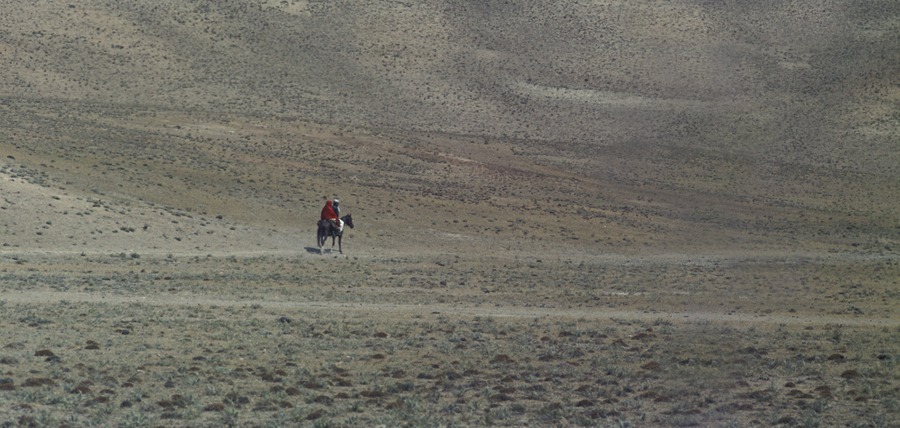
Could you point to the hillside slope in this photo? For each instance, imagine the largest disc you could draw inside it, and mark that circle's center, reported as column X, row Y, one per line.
column 610, row 126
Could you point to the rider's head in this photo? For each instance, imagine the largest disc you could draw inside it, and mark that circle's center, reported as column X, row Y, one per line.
column 337, row 201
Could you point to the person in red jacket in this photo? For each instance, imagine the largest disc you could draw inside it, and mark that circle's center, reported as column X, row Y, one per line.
column 328, row 213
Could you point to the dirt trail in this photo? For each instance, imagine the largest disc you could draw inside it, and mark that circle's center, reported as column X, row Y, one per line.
column 463, row 301
column 399, row 311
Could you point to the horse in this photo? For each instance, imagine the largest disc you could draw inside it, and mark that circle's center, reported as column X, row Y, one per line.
column 327, row 228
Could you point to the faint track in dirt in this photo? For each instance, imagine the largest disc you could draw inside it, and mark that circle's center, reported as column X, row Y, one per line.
column 324, row 307
column 417, row 310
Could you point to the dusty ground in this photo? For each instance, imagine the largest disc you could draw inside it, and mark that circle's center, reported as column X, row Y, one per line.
column 421, row 340
column 586, row 214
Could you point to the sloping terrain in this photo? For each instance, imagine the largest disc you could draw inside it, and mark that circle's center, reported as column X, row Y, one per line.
column 596, row 212
column 761, row 118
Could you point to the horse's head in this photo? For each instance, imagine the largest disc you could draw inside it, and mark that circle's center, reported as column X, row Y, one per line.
column 348, row 220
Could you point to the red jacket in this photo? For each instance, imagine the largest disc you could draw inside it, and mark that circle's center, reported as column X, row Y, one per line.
column 328, row 212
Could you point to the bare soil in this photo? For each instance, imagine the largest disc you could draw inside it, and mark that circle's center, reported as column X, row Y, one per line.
column 567, row 213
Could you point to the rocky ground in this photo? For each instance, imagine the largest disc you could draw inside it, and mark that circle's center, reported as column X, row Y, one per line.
column 584, row 214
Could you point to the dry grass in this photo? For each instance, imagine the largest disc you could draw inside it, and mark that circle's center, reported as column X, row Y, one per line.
column 205, row 341
column 568, row 213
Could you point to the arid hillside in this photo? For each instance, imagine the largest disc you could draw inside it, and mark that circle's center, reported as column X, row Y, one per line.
column 568, row 213
column 626, row 126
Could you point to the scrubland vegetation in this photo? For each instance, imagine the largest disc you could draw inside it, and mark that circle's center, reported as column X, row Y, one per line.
column 585, row 213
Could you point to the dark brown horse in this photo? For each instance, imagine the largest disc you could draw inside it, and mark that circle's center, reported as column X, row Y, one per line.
column 327, row 228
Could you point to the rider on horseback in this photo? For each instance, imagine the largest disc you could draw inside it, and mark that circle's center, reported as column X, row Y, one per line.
column 331, row 224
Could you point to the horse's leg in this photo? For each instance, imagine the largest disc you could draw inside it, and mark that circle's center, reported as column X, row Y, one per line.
column 340, row 248
column 330, row 235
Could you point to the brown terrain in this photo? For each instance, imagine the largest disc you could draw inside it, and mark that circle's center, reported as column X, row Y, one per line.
column 583, row 213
